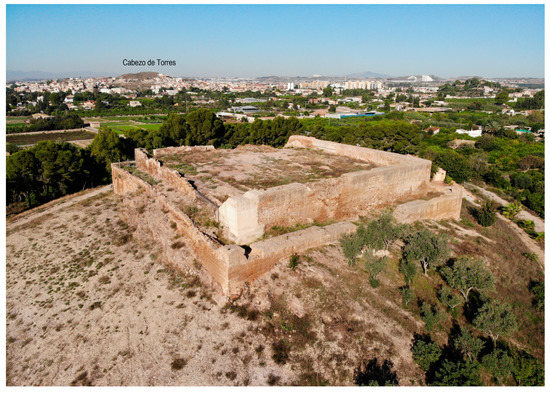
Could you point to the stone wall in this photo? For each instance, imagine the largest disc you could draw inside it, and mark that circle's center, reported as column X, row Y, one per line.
column 157, row 214
column 154, row 215
column 246, row 217
column 157, row 153
column 169, row 176
column 443, row 207
column 378, row 157
column 265, row 254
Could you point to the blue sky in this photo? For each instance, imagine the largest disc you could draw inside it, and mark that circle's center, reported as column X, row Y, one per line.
column 257, row 40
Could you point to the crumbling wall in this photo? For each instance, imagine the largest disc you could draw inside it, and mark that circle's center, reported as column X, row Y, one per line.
column 169, row 176
column 157, row 153
column 160, row 212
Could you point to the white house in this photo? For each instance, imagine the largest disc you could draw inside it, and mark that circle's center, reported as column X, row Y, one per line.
column 472, row 133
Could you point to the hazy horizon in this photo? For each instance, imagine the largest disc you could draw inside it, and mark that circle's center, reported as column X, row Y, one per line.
column 493, row 41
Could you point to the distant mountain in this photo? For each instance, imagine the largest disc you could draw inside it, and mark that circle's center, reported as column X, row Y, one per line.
column 12, row 76
column 367, row 74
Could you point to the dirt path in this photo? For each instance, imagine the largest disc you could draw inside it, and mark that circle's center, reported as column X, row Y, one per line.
column 524, row 214
column 531, row 244
column 54, row 206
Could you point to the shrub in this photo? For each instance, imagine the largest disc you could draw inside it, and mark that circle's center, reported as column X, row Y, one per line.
column 537, row 289
column 281, row 351
column 521, row 180
column 374, row 266
column 430, row 315
column 511, row 210
column 178, row 364
column 486, row 215
column 527, row 225
column 293, row 261
column 408, row 268
column 373, row 374
column 407, row 294
column 494, row 177
column 531, row 256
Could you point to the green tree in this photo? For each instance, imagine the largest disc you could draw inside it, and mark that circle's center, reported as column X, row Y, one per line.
column 527, row 370
column 466, row 274
column 352, row 245
column 22, row 171
column 174, row 130
column 459, row 373
column 408, row 268
column 327, row 91
column 204, row 128
column 502, row 97
column 425, row 351
column 427, row 248
column 499, row 363
column 382, row 232
column 449, row 300
column 108, row 147
column 495, row 319
column 373, row 266
column 468, row 345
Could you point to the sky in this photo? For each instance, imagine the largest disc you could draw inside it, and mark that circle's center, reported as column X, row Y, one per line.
column 284, row 40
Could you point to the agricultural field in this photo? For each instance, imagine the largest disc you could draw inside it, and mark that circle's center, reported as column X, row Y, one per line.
column 31, row 139
column 121, row 127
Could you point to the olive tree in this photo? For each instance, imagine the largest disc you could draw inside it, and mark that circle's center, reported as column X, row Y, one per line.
column 428, row 248
column 495, row 319
column 466, row 274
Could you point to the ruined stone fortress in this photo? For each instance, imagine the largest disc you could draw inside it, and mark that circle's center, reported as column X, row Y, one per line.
column 238, row 212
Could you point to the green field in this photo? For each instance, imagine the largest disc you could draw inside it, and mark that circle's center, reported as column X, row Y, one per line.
column 122, row 127
column 31, row 139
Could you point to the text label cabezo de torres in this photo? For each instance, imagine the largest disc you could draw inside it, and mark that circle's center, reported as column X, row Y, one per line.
column 150, row 62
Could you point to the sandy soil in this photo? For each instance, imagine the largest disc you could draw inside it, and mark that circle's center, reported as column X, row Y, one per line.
column 87, row 304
